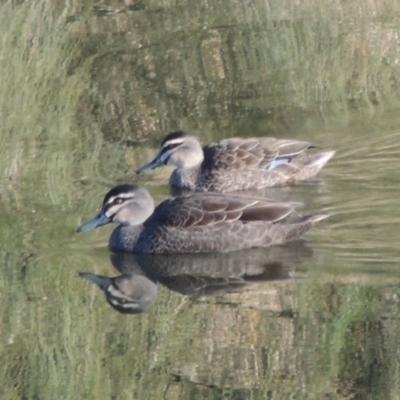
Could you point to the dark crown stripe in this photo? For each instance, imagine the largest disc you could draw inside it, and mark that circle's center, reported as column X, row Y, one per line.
column 173, row 136
column 118, row 190
column 169, row 147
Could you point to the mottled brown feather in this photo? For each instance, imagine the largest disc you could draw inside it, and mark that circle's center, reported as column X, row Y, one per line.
column 237, row 153
column 199, row 209
column 239, row 163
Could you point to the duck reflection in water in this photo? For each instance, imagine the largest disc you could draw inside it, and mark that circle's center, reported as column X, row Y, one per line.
column 135, row 290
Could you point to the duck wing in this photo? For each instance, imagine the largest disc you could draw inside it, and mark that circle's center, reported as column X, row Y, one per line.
column 237, row 154
column 211, row 209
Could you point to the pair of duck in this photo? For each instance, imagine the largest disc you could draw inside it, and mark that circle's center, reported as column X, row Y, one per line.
column 211, row 219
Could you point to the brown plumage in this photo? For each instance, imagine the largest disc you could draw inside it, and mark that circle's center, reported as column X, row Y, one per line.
column 197, row 223
column 236, row 163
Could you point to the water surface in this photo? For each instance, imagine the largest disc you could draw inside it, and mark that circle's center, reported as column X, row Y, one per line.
column 87, row 93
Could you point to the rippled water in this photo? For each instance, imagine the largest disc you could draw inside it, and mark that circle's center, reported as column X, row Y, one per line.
column 87, row 94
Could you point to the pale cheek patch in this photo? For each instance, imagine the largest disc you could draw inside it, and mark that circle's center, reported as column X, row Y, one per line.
column 111, row 211
column 177, row 160
column 186, row 158
column 114, row 292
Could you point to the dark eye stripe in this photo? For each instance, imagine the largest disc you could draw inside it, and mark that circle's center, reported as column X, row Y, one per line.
column 170, row 147
column 117, row 200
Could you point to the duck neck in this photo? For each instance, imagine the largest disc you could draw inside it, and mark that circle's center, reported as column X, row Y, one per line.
column 124, row 237
column 186, row 178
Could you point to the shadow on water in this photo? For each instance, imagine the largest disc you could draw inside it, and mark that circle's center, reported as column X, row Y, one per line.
column 194, row 275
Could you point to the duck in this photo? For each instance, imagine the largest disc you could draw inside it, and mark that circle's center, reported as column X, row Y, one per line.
column 135, row 289
column 126, row 293
column 236, row 163
column 199, row 222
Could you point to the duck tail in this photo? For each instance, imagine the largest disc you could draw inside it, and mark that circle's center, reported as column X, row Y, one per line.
column 318, row 160
column 313, row 218
column 296, row 230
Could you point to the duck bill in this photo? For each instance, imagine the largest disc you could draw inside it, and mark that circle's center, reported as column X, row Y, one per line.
column 103, row 282
column 156, row 163
column 99, row 220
